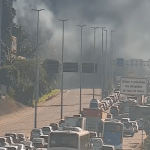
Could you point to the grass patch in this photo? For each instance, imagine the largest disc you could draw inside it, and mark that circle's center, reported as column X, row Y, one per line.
column 44, row 97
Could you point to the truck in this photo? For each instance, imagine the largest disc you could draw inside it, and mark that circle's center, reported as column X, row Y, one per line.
column 138, row 111
column 94, row 119
column 125, row 106
column 91, row 120
column 74, row 121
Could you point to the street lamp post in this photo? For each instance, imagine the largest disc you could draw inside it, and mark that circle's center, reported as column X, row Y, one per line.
column 106, row 71
column 37, row 70
column 81, row 26
column 102, row 62
column 62, row 60
column 94, row 62
column 0, row 30
column 112, row 69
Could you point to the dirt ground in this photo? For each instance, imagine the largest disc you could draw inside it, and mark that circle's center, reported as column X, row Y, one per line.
column 9, row 106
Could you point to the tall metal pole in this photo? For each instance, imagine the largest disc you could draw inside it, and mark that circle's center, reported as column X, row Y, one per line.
column 0, row 31
column 106, row 71
column 102, row 65
column 112, row 78
column 62, row 61
column 81, row 26
column 94, row 62
column 37, row 70
column 142, row 131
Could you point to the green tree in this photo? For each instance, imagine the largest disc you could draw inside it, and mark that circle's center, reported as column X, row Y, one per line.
column 52, row 78
column 19, row 75
column 9, row 75
column 8, row 14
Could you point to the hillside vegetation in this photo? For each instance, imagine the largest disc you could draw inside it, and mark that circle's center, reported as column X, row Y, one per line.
column 19, row 74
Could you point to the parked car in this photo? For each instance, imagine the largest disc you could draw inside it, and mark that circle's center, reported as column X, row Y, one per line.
column 54, row 126
column 45, row 137
column 12, row 147
column 94, row 104
column 3, row 148
column 35, row 133
column 125, row 120
column 97, row 143
column 39, row 143
column 126, row 115
column 128, row 129
column 110, row 100
column 9, row 140
column 46, row 130
column 135, row 125
column 93, row 134
column 113, row 98
column 140, row 124
column 3, row 142
column 109, row 115
column 20, row 146
column 13, row 135
column 61, row 122
column 118, row 93
column 21, row 137
column 107, row 147
column 106, row 103
column 28, row 145
column 114, row 110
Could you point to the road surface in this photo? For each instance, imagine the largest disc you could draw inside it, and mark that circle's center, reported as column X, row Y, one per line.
column 133, row 142
column 49, row 111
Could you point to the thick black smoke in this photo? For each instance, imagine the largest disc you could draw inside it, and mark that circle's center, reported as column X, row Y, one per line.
column 129, row 19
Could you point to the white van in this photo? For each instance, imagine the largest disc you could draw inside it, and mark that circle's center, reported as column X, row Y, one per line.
column 97, row 143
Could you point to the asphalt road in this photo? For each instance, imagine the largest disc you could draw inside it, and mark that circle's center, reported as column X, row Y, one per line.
column 131, row 143
column 49, row 111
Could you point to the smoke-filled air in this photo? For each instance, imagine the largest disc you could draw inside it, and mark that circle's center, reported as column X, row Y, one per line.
column 129, row 19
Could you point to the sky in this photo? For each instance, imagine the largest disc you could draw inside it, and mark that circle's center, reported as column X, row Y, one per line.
column 129, row 19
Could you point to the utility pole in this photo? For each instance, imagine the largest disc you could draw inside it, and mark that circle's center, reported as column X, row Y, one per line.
column 37, row 70
column 94, row 63
column 1, row 1
column 102, row 78
column 112, row 76
column 81, row 26
column 62, row 61
column 0, row 32
column 106, row 70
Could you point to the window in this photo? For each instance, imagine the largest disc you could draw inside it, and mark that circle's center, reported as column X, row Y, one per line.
column 63, row 140
column 112, row 127
column 93, row 105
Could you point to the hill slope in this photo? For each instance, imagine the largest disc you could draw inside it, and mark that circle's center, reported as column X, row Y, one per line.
column 9, row 106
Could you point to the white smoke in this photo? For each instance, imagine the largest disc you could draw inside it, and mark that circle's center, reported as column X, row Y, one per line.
column 128, row 18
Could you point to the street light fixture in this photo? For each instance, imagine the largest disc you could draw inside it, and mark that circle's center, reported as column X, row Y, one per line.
column 94, row 62
column 37, row 69
column 62, row 60
column 81, row 26
column 102, row 62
